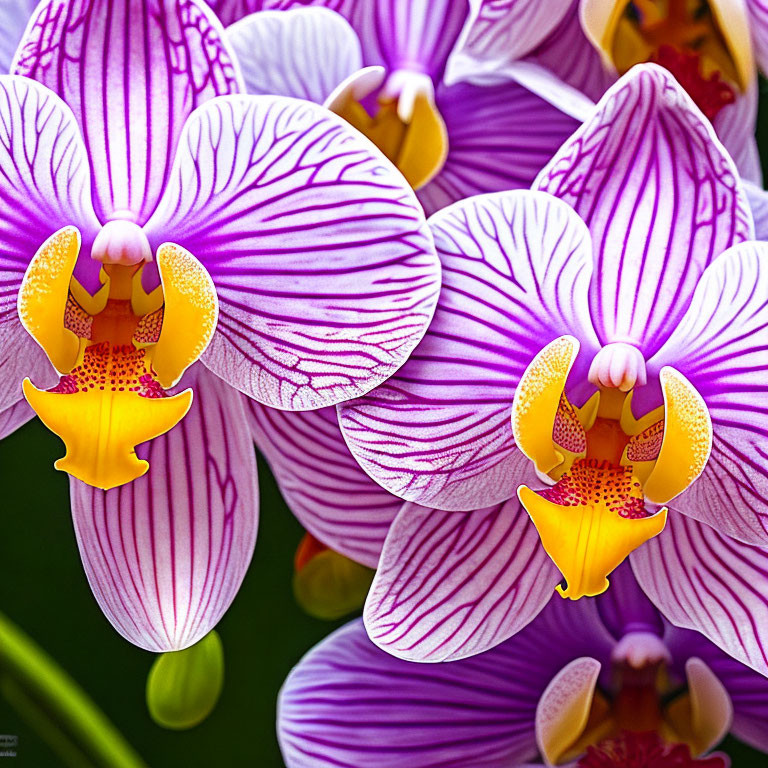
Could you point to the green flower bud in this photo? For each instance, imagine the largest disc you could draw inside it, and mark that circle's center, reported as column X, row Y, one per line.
column 184, row 686
column 329, row 585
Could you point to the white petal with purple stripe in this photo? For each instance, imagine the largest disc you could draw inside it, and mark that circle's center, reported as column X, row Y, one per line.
column 324, row 266
column 661, row 198
column 516, row 270
column 165, row 554
column 453, row 584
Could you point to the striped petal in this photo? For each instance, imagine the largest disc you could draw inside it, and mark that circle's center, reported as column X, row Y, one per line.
column 14, row 15
column 230, row 11
column 703, row 580
column 165, row 554
column 721, row 346
column 304, row 53
column 735, row 126
column 13, row 417
column 500, row 31
column 758, row 202
column 348, row 703
column 165, row 59
column 758, row 18
column 401, row 34
column 323, row 263
column 453, row 584
column 320, row 481
column 661, row 198
column 500, row 137
column 747, row 689
column 516, row 270
column 45, row 187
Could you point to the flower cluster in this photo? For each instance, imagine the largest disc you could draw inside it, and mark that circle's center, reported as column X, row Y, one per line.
column 486, row 283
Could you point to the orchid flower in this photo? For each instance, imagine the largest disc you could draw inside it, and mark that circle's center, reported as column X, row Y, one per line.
column 603, row 683
column 14, row 15
column 710, row 46
column 449, row 142
column 594, row 372
column 142, row 217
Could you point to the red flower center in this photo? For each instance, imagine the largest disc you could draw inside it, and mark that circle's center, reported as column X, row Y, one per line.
column 710, row 94
column 644, row 750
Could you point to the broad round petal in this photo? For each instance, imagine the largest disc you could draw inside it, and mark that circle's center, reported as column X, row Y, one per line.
column 516, row 270
column 323, row 263
column 747, row 689
column 164, row 59
column 322, row 483
column 500, row 137
column 700, row 579
column 661, row 198
column 401, row 34
column 721, row 346
column 349, row 703
column 453, row 584
column 165, row 554
column 304, row 52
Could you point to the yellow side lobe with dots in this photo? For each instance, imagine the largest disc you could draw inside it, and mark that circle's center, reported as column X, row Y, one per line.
column 101, row 430
column 687, row 439
column 43, row 297
column 190, row 314
column 587, row 541
column 109, row 399
column 537, row 399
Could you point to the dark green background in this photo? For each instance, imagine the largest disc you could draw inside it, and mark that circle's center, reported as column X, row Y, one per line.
column 44, row 590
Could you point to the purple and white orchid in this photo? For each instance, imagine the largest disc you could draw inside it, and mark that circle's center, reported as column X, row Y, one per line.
column 144, row 197
column 709, row 45
column 384, row 75
column 606, row 349
column 602, row 683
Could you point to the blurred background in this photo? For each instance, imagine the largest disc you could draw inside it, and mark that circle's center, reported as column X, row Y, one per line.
column 43, row 590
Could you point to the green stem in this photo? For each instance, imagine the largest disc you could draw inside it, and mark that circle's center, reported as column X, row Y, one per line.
column 45, row 695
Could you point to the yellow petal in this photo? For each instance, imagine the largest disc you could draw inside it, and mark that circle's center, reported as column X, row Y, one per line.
column 564, row 708
column 701, row 717
column 537, row 400
column 733, row 24
column 687, row 439
column 43, row 298
column 417, row 147
column 191, row 311
column 599, row 19
column 101, row 429
column 587, row 541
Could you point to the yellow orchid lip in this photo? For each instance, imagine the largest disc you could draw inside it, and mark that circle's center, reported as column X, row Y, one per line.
column 117, row 351
column 407, row 127
column 605, row 463
column 628, row 33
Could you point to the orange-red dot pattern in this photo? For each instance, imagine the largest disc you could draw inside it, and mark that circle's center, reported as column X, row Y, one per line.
column 115, row 368
column 148, row 328
column 646, row 445
column 567, row 431
column 76, row 319
column 598, row 482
